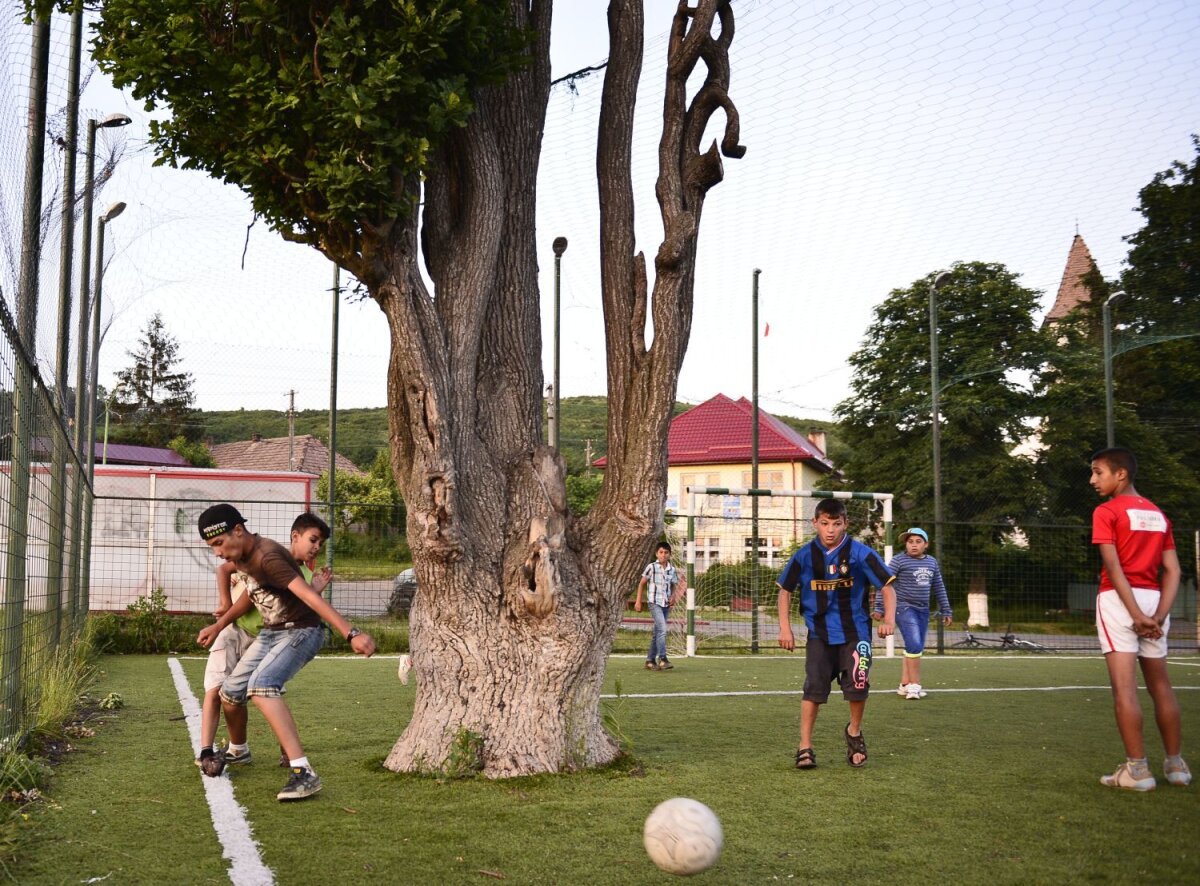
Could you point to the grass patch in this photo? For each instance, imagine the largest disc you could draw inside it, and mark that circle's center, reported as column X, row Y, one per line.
column 964, row 786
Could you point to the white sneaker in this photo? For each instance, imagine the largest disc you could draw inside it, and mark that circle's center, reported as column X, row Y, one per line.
column 915, row 691
column 902, row 691
column 1130, row 780
column 1178, row 773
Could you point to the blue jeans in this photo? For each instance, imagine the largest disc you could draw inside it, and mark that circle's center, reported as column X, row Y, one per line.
column 912, row 622
column 272, row 660
column 658, row 638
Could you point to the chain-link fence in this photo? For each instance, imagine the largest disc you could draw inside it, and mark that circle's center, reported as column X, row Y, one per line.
column 43, row 505
column 143, row 545
column 1011, row 587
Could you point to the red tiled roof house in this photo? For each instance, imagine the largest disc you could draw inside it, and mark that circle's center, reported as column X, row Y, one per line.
column 710, row 445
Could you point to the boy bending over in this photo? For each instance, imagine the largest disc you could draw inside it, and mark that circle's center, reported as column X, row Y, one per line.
column 291, row 634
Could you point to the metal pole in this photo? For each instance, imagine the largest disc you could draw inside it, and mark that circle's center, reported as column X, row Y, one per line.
column 754, row 571
column 1112, row 301
column 113, row 212
column 333, row 380
column 23, row 409
column 936, row 428
column 81, row 363
column 66, row 251
column 559, row 246
column 95, row 349
column 59, row 536
column 935, row 412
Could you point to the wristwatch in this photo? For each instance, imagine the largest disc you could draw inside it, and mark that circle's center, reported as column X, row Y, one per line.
column 354, row 632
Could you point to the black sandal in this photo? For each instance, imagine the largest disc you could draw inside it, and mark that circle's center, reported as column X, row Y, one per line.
column 806, row 759
column 856, row 745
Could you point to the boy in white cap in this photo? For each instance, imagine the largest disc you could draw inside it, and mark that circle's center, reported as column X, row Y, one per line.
column 917, row 574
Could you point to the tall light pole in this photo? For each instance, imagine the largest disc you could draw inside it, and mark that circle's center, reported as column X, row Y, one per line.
column 1111, row 302
column 559, row 246
column 754, row 571
column 85, row 258
column 936, row 429
column 111, row 213
column 935, row 410
column 81, row 554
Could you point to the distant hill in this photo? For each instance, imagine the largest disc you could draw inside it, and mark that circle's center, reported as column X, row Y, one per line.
column 362, row 433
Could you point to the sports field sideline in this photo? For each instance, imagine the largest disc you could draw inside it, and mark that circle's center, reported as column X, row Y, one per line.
column 992, row 778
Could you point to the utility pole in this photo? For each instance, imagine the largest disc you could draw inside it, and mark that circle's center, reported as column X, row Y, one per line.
column 291, row 430
column 552, row 415
column 559, row 246
column 587, row 457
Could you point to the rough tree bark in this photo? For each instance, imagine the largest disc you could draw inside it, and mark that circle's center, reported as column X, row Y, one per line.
column 518, row 603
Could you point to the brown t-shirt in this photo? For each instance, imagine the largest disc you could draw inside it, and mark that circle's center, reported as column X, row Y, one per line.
column 274, row 568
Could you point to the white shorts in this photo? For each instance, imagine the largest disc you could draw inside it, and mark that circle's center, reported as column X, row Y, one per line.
column 1114, row 624
column 231, row 644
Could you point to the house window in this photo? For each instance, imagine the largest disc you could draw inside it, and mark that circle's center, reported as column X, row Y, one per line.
column 708, row 553
column 708, row 502
column 772, row 480
column 769, row 548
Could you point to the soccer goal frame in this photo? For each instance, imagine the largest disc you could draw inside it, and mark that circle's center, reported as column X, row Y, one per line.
column 693, row 514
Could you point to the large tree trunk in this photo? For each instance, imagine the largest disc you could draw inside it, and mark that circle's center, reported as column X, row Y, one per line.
column 517, row 604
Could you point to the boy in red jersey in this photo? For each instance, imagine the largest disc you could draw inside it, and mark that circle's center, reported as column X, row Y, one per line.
column 1133, row 615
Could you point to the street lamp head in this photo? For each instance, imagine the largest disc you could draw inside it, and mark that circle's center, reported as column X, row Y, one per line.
column 559, row 246
column 112, row 212
column 1116, row 298
column 114, row 120
column 941, row 279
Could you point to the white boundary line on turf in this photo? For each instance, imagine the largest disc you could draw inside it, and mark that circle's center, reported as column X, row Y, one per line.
column 246, row 867
column 734, row 693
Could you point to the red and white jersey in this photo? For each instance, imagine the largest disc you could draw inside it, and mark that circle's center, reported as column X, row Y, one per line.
column 1140, row 532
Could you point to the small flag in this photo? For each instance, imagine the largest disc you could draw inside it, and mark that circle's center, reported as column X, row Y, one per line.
column 767, row 330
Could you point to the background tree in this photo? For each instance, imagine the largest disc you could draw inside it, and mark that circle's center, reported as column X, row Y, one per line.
column 390, row 134
column 986, row 336
column 196, row 453
column 153, row 399
column 1157, row 363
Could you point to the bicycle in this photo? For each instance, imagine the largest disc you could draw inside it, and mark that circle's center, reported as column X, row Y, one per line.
column 1008, row 641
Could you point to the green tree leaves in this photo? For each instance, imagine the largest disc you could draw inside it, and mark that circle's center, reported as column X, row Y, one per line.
column 319, row 110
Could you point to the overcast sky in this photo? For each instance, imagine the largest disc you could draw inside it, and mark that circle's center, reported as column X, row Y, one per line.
column 885, row 140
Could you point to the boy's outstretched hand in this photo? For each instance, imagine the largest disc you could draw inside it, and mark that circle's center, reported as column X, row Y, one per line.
column 321, row 579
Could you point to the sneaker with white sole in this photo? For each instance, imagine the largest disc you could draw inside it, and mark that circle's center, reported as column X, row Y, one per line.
column 1129, row 778
column 902, row 690
column 235, row 759
column 1177, row 772
column 915, row 691
column 301, row 783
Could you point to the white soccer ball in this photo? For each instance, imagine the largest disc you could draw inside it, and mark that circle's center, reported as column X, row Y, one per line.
column 683, row 836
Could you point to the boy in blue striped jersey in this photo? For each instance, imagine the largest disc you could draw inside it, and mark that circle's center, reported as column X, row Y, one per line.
column 832, row 575
column 917, row 575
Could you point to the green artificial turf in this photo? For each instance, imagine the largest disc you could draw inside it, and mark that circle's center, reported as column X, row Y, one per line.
column 994, row 785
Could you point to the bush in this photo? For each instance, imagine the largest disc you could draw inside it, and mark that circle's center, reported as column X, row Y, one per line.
column 147, row 629
column 722, row 584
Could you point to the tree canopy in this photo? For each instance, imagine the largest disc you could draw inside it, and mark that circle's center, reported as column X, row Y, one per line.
column 1157, row 345
column 986, row 338
column 319, row 110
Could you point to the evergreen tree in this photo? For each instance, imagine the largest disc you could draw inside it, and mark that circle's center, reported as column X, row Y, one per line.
column 153, row 399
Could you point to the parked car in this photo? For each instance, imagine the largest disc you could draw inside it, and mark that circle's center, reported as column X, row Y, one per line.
column 404, row 587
